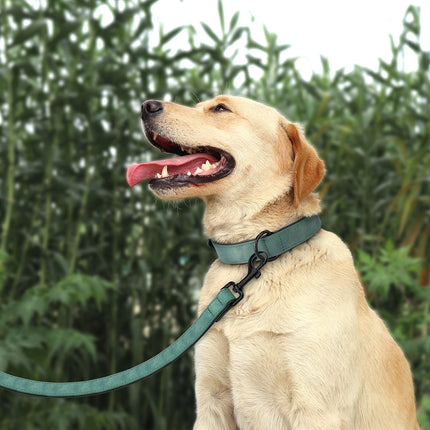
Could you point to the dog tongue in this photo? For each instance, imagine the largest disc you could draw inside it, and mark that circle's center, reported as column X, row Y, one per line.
column 137, row 173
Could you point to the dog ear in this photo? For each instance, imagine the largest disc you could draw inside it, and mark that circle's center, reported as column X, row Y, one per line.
column 308, row 168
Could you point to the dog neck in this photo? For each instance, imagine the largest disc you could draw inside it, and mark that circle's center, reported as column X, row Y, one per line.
column 226, row 222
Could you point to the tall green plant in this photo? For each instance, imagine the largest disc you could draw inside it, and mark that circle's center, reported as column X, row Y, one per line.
column 391, row 278
column 71, row 106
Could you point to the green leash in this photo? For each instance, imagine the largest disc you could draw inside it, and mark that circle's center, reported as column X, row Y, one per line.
column 118, row 380
column 220, row 305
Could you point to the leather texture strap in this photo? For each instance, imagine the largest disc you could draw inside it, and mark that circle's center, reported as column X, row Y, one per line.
column 273, row 245
column 118, row 380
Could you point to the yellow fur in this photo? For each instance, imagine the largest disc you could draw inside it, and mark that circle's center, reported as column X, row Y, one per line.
column 303, row 350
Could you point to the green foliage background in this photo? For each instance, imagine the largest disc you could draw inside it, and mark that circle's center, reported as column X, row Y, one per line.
column 95, row 277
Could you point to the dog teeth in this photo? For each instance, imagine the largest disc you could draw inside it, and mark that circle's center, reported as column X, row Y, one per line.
column 206, row 166
column 154, row 135
column 164, row 173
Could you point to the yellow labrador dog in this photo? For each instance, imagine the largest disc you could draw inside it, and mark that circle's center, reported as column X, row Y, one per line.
column 302, row 350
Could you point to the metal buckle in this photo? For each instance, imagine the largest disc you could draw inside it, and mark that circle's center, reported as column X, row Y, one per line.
column 255, row 264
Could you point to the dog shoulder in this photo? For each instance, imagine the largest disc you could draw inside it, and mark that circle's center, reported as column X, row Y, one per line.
column 332, row 245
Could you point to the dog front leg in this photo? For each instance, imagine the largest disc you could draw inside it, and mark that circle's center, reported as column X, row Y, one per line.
column 213, row 390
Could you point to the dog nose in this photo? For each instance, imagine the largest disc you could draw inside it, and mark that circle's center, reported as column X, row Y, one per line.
column 151, row 107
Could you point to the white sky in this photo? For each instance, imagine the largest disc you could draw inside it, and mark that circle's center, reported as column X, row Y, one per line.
column 347, row 32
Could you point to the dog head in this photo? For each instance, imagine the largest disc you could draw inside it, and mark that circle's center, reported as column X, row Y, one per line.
column 228, row 146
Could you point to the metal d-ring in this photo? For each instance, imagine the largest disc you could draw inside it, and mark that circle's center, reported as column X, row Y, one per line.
column 261, row 255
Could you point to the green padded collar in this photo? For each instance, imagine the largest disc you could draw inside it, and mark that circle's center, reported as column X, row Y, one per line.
column 274, row 244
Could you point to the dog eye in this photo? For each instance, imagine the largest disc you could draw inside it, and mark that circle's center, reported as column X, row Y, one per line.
column 220, row 108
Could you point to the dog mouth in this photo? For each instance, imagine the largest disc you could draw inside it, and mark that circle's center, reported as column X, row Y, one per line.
column 190, row 165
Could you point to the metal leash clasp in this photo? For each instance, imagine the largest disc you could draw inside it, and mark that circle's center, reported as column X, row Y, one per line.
column 255, row 263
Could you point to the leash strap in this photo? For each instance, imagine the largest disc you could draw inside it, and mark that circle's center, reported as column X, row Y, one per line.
column 256, row 252
column 222, row 302
column 273, row 244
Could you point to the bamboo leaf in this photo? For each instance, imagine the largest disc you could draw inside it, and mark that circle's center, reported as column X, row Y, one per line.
column 411, row 21
column 64, row 341
column 413, row 45
column 21, row 12
column 34, row 29
column 171, row 35
column 221, row 16
column 376, row 76
column 237, row 34
column 210, row 33
column 407, row 208
column 325, row 65
column 233, row 22
column 65, row 31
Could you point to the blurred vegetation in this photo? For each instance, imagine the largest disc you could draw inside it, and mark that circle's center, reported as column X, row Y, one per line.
column 95, row 277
